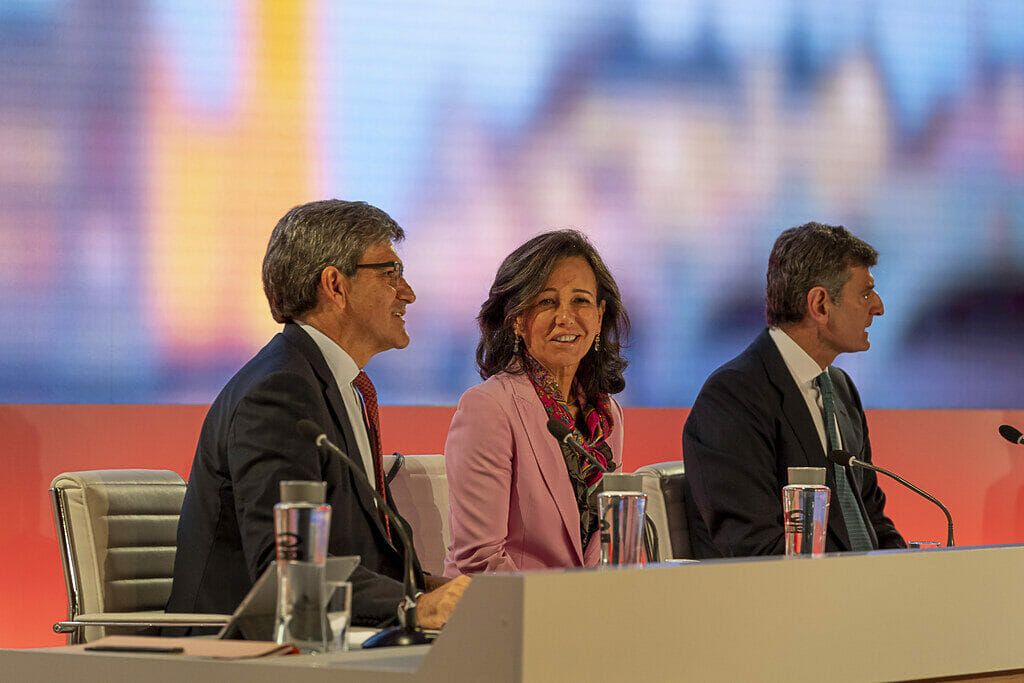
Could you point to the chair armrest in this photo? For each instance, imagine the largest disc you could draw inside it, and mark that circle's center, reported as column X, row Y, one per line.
column 139, row 619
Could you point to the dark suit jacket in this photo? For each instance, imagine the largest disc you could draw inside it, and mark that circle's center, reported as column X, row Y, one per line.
column 247, row 446
column 748, row 425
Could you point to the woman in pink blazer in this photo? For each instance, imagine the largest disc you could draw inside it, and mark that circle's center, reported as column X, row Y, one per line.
column 551, row 334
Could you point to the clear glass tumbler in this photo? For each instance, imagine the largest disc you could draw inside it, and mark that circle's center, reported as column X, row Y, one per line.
column 621, row 526
column 805, row 516
column 339, row 614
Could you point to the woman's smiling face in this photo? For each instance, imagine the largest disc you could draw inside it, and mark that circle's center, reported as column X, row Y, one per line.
column 559, row 324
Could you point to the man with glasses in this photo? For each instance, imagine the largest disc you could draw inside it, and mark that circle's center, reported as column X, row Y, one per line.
column 332, row 276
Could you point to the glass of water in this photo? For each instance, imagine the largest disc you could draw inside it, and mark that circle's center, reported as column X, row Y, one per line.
column 339, row 614
column 622, row 526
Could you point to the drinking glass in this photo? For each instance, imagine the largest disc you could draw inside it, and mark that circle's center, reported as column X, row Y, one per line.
column 339, row 614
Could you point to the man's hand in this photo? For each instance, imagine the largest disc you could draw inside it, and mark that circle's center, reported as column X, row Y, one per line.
column 434, row 608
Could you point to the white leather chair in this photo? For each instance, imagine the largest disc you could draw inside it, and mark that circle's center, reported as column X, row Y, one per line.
column 420, row 490
column 665, row 486
column 117, row 534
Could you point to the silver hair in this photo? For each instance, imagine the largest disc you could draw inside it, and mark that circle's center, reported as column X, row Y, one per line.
column 311, row 237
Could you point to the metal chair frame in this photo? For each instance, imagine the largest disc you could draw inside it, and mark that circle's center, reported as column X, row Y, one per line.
column 75, row 627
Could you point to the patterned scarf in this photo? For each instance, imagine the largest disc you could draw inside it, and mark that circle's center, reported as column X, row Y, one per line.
column 595, row 420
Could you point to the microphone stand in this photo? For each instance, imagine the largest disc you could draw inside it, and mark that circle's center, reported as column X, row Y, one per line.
column 407, row 632
column 844, row 458
column 564, row 435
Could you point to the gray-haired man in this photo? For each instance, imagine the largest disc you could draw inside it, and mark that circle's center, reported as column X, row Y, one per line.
column 332, row 276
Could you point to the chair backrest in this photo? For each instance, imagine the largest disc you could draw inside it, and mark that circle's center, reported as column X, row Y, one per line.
column 117, row 534
column 665, row 486
column 420, row 490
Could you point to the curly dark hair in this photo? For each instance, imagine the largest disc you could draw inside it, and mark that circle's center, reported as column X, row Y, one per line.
column 807, row 256
column 519, row 278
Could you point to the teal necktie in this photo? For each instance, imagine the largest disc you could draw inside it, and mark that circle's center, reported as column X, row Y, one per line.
column 855, row 527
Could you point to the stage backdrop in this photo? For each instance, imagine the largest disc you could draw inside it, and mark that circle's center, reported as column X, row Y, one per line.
column 957, row 455
column 149, row 148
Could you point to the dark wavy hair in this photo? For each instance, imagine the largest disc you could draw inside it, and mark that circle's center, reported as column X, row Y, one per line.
column 520, row 277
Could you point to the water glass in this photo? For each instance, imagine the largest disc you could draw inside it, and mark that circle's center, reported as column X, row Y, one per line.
column 622, row 527
column 339, row 614
column 805, row 516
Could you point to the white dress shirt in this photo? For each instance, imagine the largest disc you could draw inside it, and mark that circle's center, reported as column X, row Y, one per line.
column 345, row 370
column 805, row 370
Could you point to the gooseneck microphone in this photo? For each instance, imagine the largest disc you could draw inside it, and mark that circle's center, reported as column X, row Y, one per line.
column 1012, row 434
column 408, row 633
column 848, row 460
column 563, row 433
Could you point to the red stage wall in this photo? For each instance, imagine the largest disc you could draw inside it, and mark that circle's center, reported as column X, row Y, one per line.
column 956, row 455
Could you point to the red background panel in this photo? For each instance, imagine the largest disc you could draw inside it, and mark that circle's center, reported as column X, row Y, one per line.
column 955, row 454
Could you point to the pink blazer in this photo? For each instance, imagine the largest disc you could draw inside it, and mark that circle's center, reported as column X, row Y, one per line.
column 511, row 506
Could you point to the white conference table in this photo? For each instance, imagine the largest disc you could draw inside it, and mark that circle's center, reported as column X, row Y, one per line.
column 892, row 615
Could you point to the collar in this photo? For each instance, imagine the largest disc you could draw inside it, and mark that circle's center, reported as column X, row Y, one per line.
column 801, row 366
column 340, row 363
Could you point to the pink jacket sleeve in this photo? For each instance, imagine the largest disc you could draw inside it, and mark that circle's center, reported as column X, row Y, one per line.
column 478, row 462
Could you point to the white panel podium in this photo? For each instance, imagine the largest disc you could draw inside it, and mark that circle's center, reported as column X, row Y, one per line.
column 896, row 615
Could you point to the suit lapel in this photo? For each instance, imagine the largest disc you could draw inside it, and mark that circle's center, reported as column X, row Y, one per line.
column 339, row 415
column 549, row 457
column 794, row 407
column 795, row 412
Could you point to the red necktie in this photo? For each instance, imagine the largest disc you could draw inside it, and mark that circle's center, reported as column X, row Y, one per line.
column 369, row 392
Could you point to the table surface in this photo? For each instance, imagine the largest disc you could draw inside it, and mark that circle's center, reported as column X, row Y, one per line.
column 905, row 615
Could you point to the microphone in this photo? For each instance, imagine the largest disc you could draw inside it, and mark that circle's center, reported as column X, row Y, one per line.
column 408, row 633
column 1012, row 434
column 561, row 432
column 848, row 460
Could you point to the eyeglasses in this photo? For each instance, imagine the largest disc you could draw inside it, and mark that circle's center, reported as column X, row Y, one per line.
column 393, row 270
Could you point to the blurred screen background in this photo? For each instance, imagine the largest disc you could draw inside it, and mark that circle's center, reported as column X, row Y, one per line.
column 148, row 149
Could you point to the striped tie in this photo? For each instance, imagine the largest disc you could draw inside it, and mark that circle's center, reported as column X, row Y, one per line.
column 369, row 393
column 859, row 537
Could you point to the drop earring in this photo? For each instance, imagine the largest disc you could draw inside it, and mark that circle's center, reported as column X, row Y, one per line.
column 597, row 342
column 515, row 344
